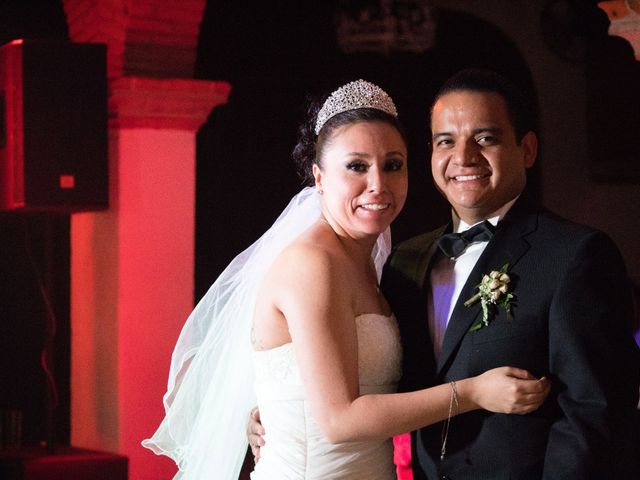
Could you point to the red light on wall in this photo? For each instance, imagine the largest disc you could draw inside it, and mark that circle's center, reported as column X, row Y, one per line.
column 67, row 182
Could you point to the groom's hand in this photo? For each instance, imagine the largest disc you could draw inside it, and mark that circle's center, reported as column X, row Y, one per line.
column 255, row 431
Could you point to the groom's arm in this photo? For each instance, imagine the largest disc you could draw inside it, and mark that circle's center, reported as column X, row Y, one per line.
column 255, row 434
column 594, row 364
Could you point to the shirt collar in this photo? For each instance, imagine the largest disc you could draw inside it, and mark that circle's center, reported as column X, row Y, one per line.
column 460, row 225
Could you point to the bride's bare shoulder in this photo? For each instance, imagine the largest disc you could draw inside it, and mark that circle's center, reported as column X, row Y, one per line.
column 317, row 251
column 312, row 273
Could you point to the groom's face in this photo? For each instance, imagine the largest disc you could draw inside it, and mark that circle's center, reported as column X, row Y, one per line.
column 477, row 162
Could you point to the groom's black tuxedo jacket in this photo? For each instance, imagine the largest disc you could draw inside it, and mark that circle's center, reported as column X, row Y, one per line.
column 570, row 320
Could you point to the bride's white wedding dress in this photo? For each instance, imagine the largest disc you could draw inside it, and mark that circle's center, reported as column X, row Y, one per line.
column 211, row 386
column 295, row 446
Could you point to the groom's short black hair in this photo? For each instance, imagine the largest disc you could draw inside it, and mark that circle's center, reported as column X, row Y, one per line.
column 484, row 80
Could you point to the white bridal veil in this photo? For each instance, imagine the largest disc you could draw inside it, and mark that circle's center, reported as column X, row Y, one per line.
column 210, row 388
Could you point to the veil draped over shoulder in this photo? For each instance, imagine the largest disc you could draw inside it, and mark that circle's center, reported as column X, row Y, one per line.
column 210, row 388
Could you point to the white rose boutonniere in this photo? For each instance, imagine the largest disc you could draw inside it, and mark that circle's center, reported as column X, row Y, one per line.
column 493, row 290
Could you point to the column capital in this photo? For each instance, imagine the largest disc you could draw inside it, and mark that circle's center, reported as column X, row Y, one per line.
column 174, row 104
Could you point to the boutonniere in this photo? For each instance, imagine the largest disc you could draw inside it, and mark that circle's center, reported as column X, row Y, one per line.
column 493, row 290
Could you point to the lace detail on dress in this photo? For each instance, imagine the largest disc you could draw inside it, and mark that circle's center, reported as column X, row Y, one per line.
column 379, row 352
column 279, row 363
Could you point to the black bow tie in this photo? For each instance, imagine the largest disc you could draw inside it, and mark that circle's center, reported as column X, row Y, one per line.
column 453, row 244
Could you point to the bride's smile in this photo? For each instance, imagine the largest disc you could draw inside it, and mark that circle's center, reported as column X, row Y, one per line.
column 362, row 174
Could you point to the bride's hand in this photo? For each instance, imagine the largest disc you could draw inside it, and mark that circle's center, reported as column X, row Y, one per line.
column 509, row 390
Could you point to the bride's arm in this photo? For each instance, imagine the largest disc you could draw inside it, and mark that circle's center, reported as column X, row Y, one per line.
column 316, row 298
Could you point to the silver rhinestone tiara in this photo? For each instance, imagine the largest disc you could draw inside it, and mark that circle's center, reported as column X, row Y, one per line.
column 353, row 95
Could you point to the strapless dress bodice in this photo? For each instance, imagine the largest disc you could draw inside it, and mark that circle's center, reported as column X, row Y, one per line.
column 295, row 447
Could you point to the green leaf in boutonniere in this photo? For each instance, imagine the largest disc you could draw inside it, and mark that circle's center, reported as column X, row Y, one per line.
column 493, row 291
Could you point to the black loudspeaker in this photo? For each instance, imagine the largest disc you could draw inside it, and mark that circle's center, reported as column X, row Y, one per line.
column 53, row 126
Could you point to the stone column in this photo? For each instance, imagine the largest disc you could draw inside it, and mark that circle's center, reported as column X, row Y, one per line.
column 132, row 266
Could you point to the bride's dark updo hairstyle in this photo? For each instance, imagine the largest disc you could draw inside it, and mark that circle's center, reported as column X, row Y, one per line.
column 310, row 147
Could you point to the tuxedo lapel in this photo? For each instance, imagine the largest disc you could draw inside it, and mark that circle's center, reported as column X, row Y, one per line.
column 424, row 263
column 421, row 276
column 506, row 247
column 405, row 285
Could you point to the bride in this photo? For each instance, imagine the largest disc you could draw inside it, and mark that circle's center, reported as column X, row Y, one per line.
column 297, row 324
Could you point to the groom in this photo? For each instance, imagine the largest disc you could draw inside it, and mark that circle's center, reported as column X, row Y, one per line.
column 569, row 315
